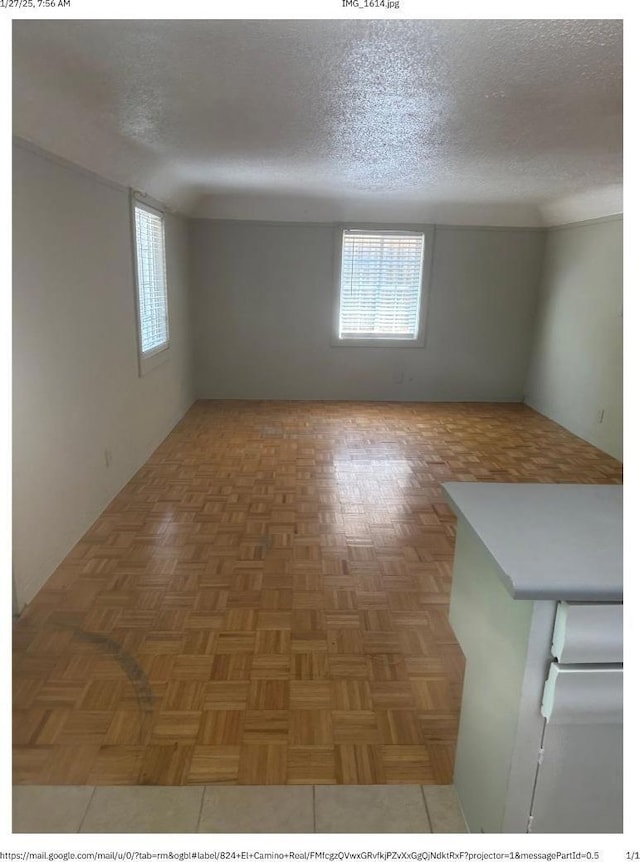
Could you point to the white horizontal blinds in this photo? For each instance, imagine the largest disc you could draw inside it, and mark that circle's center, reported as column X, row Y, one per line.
column 380, row 284
column 152, row 280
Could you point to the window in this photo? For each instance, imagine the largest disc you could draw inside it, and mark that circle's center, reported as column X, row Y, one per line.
column 151, row 280
column 381, row 286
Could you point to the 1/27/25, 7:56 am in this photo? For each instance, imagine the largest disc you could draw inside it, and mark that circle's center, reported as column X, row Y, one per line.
column 35, row 4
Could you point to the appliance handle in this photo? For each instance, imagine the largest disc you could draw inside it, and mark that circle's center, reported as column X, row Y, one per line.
column 583, row 694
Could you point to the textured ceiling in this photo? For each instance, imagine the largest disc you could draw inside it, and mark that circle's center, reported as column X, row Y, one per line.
column 328, row 118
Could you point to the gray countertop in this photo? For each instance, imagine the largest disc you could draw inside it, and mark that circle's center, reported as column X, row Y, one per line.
column 549, row 541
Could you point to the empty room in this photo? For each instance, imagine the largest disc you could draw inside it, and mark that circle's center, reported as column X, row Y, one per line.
column 317, row 426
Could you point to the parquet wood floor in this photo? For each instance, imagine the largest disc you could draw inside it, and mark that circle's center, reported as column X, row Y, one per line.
column 265, row 602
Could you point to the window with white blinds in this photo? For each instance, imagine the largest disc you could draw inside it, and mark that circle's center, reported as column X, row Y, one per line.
column 380, row 285
column 152, row 280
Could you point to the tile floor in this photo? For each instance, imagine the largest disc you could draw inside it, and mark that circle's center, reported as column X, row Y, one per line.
column 211, row 809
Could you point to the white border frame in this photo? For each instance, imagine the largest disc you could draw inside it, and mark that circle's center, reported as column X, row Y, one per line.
column 159, row 355
column 427, row 232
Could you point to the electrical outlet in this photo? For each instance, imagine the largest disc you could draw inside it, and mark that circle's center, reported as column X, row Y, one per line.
column 108, row 457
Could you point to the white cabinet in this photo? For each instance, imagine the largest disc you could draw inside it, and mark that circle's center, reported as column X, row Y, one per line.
column 540, row 738
column 578, row 786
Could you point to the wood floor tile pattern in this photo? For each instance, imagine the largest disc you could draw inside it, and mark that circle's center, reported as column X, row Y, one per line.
column 265, row 602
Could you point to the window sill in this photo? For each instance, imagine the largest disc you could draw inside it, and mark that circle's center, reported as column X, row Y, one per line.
column 377, row 342
column 147, row 364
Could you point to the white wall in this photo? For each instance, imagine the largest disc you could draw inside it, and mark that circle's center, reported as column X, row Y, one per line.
column 76, row 389
column 263, row 301
column 576, row 364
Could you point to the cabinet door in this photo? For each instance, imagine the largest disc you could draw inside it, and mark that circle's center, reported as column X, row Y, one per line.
column 578, row 787
column 579, row 783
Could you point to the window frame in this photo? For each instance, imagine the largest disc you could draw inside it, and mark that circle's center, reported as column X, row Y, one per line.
column 150, row 359
column 382, row 342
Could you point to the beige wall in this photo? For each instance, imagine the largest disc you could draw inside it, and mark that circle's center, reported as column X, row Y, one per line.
column 263, row 300
column 576, row 363
column 76, row 389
